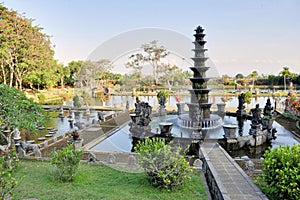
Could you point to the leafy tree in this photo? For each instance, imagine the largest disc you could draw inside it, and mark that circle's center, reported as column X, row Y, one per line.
column 225, row 79
column 239, row 76
column 62, row 72
column 74, row 70
column 130, row 81
column 24, row 50
column 273, row 79
column 285, row 73
column 153, row 55
column 92, row 73
column 17, row 111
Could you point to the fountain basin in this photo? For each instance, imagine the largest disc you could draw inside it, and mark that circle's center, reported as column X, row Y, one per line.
column 165, row 128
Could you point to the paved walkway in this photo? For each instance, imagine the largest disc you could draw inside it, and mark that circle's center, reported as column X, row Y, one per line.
column 230, row 179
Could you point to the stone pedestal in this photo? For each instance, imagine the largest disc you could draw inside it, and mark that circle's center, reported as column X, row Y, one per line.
column 254, row 129
column 77, row 144
column 267, row 124
column 230, row 131
column 180, row 108
column 162, row 111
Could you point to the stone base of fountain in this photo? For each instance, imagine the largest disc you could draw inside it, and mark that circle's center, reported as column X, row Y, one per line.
column 267, row 124
column 244, row 142
column 214, row 121
column 230, row 131
column 162, row 111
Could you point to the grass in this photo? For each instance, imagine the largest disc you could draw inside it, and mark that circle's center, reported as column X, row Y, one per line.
column 96, row 182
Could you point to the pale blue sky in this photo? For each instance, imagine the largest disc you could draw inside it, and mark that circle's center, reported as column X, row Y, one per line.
column 242, row 35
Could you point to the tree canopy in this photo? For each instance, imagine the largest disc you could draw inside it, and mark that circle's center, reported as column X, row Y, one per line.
column 153, row 55
column 26, row 54
column 17, row 111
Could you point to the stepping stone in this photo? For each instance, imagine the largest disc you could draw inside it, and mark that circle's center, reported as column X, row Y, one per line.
column 41, row 139
column 48, row 135
column 30, row 141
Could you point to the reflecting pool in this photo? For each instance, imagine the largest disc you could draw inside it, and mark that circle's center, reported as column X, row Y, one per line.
column 121, row 140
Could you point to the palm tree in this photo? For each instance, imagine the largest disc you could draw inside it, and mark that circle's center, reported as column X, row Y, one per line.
column 253, row 76
column 285, row 72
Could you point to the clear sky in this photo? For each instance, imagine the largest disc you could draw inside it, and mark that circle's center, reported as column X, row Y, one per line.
column 242, row 35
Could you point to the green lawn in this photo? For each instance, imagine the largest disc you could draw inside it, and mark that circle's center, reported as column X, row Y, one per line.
column 96, row 182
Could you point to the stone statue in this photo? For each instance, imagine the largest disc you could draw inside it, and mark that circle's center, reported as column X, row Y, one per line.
column 162, row 100
column 146, row 111
column 268, row 108
column 137, row 106
column 100, row 116
column 241, row 98
column 256, row 115
column 127, row 105
column 17, row 134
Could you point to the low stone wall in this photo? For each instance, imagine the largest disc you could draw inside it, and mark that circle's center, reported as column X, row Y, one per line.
column 216, row 187
column 123, row 159
column 214, row 184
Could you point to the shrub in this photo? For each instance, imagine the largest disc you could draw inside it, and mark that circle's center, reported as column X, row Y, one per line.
column 165, row 167
column 282, row 172
column 66, row 161
column 8, row 164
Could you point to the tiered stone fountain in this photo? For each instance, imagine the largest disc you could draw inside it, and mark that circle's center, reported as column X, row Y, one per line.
column 199, row 116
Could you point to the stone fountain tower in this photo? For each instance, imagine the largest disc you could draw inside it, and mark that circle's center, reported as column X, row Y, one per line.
column 199, row 116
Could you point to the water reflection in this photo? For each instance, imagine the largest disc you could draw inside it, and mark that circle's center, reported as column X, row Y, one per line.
column 120, row 101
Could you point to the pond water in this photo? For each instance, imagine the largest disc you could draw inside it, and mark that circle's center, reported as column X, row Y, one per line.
column 61, row 125
column 121, row 140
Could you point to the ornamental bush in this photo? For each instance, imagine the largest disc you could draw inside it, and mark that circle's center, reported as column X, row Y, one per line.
column 282, row 172
column 66, row 161
column 164, row 165
column 8, row 181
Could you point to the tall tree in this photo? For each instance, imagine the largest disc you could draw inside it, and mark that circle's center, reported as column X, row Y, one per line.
column 92, row 73
column 24, row 48
column 285, row 72
column 153, row 55
column 253, row 76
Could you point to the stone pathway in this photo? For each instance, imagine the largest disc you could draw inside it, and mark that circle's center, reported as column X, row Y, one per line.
column 226, row 179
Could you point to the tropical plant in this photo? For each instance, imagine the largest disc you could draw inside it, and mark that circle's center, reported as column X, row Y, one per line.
column 66, row 162
column 248, row 96
column 281, row 172
column 285, row 72
column 253, row 76
column 163, row 164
